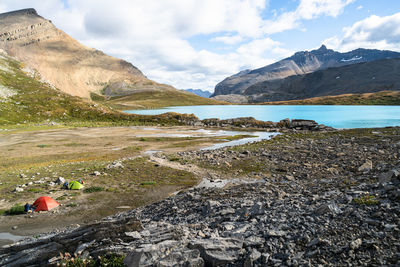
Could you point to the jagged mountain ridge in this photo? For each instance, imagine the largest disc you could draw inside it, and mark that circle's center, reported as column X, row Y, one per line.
column 366, row 77
column 64, row 62
column 199, row 92
column 300, row 63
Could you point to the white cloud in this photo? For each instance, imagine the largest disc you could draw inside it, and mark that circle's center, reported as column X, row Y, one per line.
column 153, row 34
column 251, row 53
column 174, row 17
column 307, row 10
column 373, row 32
column 360, row 7
column 228, row 39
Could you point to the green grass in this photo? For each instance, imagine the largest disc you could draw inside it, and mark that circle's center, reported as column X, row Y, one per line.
column 75, row 144
column 15, row 210
column 158, row 99
column 112, row 260
column 93, row 189
column 173, row 158
column 97, row 97
column 366, row 200
column 379, row 98
column 35, row 190
column 148, row 183
column 43, row 145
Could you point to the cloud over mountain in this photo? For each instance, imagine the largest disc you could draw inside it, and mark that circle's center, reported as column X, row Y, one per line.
column 373, row 32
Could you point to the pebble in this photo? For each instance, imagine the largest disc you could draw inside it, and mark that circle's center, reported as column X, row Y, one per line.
column 356, row 244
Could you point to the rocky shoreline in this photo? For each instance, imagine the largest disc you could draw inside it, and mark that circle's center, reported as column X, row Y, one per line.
column 315, row 199
column 250, row 122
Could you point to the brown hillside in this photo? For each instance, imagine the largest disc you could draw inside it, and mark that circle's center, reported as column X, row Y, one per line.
column 379, row 98
column 64, row 62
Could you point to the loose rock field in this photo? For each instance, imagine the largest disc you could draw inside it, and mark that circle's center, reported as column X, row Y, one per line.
column 314, row 199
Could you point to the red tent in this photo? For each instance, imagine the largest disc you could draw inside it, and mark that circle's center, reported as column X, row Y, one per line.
column 45, row 203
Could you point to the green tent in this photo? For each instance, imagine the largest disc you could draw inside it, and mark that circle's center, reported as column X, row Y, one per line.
column 75, row 185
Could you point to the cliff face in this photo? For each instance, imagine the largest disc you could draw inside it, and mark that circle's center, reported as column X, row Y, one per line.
column 300, row 63
column 64, row 62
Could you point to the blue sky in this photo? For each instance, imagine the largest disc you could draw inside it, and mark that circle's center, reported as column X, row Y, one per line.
column 198, row 43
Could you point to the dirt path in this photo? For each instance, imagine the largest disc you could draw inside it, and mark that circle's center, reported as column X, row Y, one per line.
column 208, row 178
column 203, row 173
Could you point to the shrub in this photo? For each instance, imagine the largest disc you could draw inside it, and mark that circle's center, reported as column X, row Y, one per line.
column 366, row 200
column 35, row 190
column 93, row 189
column 111, row 260
column 148, row 183
column 17, row 209
column 43, row 145
column 112, row 190
column 72, row 204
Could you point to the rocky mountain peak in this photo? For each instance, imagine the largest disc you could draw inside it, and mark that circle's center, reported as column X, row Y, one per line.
column 320, row 51
column 21, row 12
column 17, row 22
column 323, row 48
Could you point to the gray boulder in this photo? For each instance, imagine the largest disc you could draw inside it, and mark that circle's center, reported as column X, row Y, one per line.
column 366, row 167
column 390, row 176
column 218, row 251
column 60, row 180
column 166, row 253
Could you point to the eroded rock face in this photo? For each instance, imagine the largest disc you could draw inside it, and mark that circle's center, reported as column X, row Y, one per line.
column 64, row 62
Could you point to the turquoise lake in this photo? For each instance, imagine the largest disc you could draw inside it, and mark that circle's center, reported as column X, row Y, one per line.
column 334, row 116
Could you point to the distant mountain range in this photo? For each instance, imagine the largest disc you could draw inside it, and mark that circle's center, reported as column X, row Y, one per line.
column 199, row 92
column 316, row 73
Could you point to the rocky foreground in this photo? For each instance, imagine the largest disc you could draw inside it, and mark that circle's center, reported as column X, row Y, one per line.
column 320, row 199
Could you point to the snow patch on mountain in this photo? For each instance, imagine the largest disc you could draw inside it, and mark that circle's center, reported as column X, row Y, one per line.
column 351, row 59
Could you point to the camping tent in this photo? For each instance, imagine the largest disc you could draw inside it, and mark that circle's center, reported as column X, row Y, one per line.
column 75, row 185
column 45, row 203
